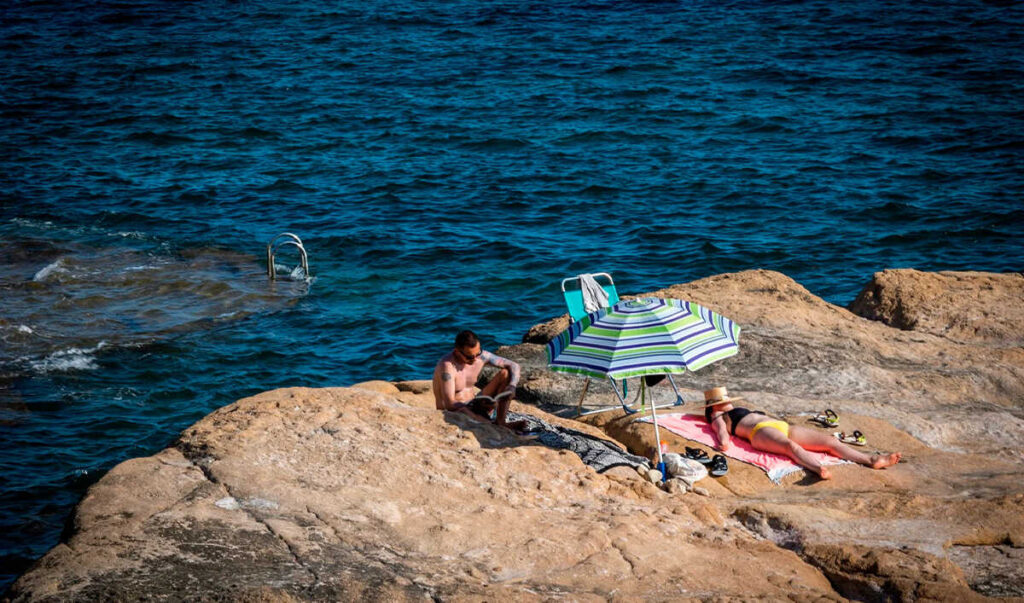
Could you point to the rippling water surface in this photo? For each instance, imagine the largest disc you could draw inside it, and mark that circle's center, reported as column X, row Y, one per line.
column 446, row 164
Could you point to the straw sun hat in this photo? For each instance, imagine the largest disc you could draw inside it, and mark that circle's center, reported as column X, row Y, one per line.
column 716, row 396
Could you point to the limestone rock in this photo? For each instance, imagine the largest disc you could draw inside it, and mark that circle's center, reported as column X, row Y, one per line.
column 967, row 307
column 368, row 492
column 545, row 332
column 350, row 493
column 676, row 486
column 953, row 404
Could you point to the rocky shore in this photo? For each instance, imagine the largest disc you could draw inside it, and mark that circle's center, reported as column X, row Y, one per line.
column 368, row 493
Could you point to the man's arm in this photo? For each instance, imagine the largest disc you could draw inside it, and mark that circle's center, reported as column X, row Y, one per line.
column 513, row 379
column 505, row 363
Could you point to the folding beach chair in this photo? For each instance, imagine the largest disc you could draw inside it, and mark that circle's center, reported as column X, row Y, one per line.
column 577, row 310
column 574, row 296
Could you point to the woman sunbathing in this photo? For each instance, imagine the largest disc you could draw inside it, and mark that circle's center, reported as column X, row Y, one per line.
column 773, row 435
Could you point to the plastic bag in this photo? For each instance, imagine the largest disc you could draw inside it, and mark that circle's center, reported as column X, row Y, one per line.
column 680, row 467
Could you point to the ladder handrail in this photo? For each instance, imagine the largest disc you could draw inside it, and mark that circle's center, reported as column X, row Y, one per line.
column 272, row 246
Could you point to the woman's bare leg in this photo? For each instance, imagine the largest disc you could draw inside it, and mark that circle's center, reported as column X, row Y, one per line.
column 826, row 442
column 770, row 439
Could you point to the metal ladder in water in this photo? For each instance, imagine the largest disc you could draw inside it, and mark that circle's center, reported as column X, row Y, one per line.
column 273, row 246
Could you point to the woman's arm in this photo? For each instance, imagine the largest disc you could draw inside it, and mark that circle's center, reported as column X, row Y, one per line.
column 721, row 432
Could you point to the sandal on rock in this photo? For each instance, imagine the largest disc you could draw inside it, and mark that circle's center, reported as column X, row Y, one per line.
column 718, row 466
column 828, row 419
column 857, row 439
column 698, row 455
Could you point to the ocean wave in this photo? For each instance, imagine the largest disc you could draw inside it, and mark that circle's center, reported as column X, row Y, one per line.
column 497, row 144
column 294, row 273
column 159, row 139
column 122, row 296
column 890, row 212
column 752, row 124
column 169, row 68
column 282, row 185
column 638, row 68
column 71, row 359
column 599, row 191
column 638, row 92
column 52, row 229
column 609, row 136
column 56, row 267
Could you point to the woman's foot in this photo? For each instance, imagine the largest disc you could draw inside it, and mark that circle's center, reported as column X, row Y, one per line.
column 824, row 473
column 880, row 461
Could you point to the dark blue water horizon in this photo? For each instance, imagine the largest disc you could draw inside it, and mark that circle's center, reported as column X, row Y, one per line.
column 446, row 165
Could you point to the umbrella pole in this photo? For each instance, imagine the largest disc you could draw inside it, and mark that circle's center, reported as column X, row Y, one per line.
column 657, row 440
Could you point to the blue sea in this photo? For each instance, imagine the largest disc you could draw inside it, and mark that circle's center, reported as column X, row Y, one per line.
column 445, row 164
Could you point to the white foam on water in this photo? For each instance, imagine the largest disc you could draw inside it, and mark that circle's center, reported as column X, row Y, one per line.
column 24, row 329
column 55, row 266
column 71, row 359
column 27, row 222
column 296, row 274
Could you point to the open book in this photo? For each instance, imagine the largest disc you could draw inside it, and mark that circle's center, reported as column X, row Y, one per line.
column 485, row 405
column 484, row 399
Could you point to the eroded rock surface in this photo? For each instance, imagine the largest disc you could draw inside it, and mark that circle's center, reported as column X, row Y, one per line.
column 368, row 492
column 952, row 405
column 967, row 307
column 355, row 493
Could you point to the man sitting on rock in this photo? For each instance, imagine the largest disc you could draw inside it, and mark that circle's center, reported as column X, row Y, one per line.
column 456, row 373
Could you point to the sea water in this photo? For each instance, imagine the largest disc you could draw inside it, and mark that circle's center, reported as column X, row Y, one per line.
column 446, row 164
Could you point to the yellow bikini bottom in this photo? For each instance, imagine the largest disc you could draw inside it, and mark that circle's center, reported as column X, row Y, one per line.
column 780, row 425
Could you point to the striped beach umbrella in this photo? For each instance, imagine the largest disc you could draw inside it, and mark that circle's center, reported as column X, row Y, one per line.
column 648, row 336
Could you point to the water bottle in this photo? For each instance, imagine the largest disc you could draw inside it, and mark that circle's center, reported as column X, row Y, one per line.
column 663, row 445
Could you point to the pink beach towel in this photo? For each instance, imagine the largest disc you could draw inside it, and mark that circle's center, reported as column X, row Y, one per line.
column 693, row 427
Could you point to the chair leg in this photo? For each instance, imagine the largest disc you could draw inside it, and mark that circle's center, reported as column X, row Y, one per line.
column 579, row 406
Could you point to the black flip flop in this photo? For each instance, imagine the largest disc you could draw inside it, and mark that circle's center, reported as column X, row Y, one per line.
column 698, row 455
column 718, row 466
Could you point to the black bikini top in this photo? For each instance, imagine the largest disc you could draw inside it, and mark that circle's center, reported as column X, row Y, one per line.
column 735, row 416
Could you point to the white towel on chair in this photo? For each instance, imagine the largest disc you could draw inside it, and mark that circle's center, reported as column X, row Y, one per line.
column 594, row 295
